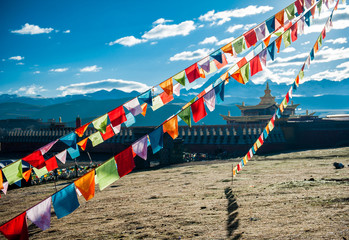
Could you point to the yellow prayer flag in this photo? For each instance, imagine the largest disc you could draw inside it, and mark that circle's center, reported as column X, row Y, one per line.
column 167, row 86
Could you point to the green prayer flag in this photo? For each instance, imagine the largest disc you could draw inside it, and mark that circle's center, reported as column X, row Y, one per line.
column 180, row 77
column 239, row 44
column 96, row 138
column 301, row 74
column 107, row 173
column 40, row 172
column 101, row 123
column 290, row 11
column 320, row 40
column 319, row 6
column 245, row 72
column 13, row 172
column 185, row 116
column 278, row 34
column 287, row 38
column 284, row 102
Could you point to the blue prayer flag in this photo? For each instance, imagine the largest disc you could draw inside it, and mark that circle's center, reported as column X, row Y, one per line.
column 312, row 54
column 253, row 151
column 74, row 152
column 294, row 86
column 130, row 120
column 70, row 139
column 156, row 139
column 19, row 183
column 242, row 163
column 278, row 114
column 270, row 24
column 271, row 50
column 146, row 97
column 217, row 55
column 265, row 134
column 307, row 18
column 65, row 201
column 219, row 91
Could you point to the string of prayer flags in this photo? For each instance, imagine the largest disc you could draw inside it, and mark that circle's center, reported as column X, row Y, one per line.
column 205, row 64
column 65, row 201
column 108, row 133
column 70, row 139
column 62, row 156
column 255, row 65
column 83, row 143
column 294, row 31
column 35, row 159
column 185, row 115
column 145, row 97
column 74, row 152
column 171, row 127
column 157, row 103
column 180, row 77
column 219, row 92
column 117, row 116
column 130, row 120
column 26, row 175
column 16, row 228
column 96, row 138
column 192, row 73
column 250, row 38
column 107, row 173
column 167, row 86
column 156, row 139
column 144, row 109
column 307, row 18
column 198, row 110
column 47, row 147
column 210, row 100
column 101, row 123
column 13, row 172
column 133, row 106
column 86, row 185
column 51, row 164
column 40, row 214
column 40, row 172
column 140, row 147
column 125, row 162
column 81, row 130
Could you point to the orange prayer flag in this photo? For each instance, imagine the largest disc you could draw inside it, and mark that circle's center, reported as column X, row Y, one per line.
column 144, row 108
column 202, row 73
column 242, row 62
column 1, row 180
column 316, row 47
column 297, row 80
column 80, row 131
column 201, row 94
column 266, row 41
column 26, row 175
column 278, row 43
column 83, row 143
column 225, row 76
column 166, row 98
column 238, row 77
column 279, row 19
column 281, row 107
column 228, row 49
column 86, row 185
column 313, row 11
column 267, row 129
column 108, row 133
column 171, row 127
column 167, row 86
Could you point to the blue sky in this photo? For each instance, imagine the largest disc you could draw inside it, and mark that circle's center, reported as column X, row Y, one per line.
column 54, row 48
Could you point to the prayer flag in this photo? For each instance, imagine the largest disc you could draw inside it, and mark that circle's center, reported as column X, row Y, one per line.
column 198, row 110
column 238, row 77
column 74, row 152
column 62, row 156
column 260, row 31
column 290, row 11
column 167, row 86
column 219, row 91
column 267, row 40
column 323, row 33
column 319, row 5
column 242, row 62
column 47, row 147
column 165, row 98
column 294, row 29
column 40, row 172
column 228, row 48
column 316, row 47
column 177, row 89
column 4, row 187
column 278, row 114
column 258, row 143
column 157, row 103
column 125, row 162
column 140, row 147
column 319, row 40
column 202, row 73
column 156, row 139
column 117, row 116
column 220, row 65
column 35, row 159
column 217, row 55
column 239, row 44
column 86, row 185
column 265, row 134
column 108, row 133
column 26, row 175
column 245, row 72
column 210, row 100
column 245, row 160
column 69, row 140
column 213, row 67
column 301, row 73
column 65, row 201
column 205, row 64
column 145, row 97
column 299, row 6
column 83, row 144
column 185, row 116
column 279, row 19
column 312, row 10
column 250, row 38
column 270, row 24
column 16, row 228
column 1, row 180
column 51, row 164
column 96, row 138
column 263, row 57
column 294, row 85
column 13, row 172
column 287, row 38
column 300, row 24
column 101, row 123
column 107, row 174
column 312, row 54
column 171, row 127
column 40, row 214
column 271, row 50
column 255, row 65
column 307, row 18
column 144, row 108
column 116, row 129
column 81, row 130
column 180, row 77
column 130, row 120
column 278, row 43
column 239, row 167
column 308, row 3
column 133, row 106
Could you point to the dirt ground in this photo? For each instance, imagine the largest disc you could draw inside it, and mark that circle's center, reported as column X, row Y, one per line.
column 286, row 196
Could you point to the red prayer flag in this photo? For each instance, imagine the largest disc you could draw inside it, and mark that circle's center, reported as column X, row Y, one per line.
column 255, row 65
column 299, row 6
column 165, row 98
column 192, row 72
column 117, row 116
column 125, row 162
column 294, row 30
column 83, row 143
column 16, row 228
column 51, row 164
column 242, row 62
column 278, row 43
column 238, row 77
column 35, row 159
column 248, row 155
column 261, row 140
column 323, row 33
column 239, row 167
column 287, row 97
column 108, row 133
column 250, row 38
column 80, row 131
column 198, row 110
column 220, row 65
column 26, row 175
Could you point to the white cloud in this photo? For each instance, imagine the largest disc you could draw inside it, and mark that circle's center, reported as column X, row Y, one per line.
column 161, row 21
column 32, row 29
column 340, row 73
column 289, row 49
column 20, row 63
column 107, row 84
column 59, row 70
column 225, row 41
column 128, row 41
column 219, row 18
column 267, row 74
column 36, row 72
column 234, row 28
column 17, row 58
column 248, row 26
column 337, row 25
column 209, row 40
column 305, row 43
column 30, row 90
column 341, row 40
column 188, row 55
column 66, row 31
column 93, row 68
column 161, row 31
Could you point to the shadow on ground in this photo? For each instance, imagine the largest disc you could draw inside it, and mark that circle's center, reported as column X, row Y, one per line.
column 233, row 221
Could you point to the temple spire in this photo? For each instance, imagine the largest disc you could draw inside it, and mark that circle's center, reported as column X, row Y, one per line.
column 267, row 99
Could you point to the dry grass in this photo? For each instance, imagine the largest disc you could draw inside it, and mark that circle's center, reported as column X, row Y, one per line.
column 287, row 196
